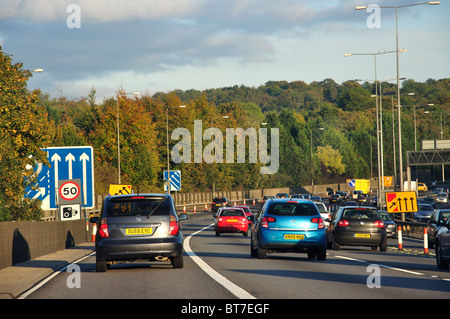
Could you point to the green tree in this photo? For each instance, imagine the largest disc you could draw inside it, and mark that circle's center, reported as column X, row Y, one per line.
column 23, row 132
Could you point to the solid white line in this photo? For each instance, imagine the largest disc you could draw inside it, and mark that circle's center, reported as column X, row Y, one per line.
column 47, row 279
column 231, row 287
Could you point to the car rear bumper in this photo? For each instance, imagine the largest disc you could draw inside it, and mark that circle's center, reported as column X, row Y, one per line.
column 274, row 240
column 231, row 228
column 109, row 250
column 350, row 238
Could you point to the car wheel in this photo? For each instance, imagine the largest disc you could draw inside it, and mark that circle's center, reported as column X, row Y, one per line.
column 322, row 254
column 336, row 245
column 261, row 253
column 383, row 245
column 217, row 233
column 100, row 266
column 312, row 254
column 245, row 233
column 177, row 262
column 441, row 263
column 252, row 249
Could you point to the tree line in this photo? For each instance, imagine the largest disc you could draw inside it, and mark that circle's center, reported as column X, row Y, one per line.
column 327, row 132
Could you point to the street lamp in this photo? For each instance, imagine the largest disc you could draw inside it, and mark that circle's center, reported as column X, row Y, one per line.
column 415, row 126
column 398, row 76
column 118, row 136
column 167, row 139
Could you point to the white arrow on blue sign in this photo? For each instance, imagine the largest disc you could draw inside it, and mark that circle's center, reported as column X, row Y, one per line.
column 74, row 162
column 351, row 183
column 175, row 180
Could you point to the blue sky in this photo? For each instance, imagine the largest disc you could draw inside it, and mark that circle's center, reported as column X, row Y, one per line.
column 163, row 45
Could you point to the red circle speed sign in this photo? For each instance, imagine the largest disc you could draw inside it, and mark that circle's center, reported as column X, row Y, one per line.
column 69, row 191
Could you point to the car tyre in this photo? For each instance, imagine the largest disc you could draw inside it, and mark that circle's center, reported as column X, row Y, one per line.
column 383, row 245
column 253, row 251
column 441, row 263
column 261, row 253
column 245, row 233
column 336, row 245
column 322, row 254
column 217, row 233
column 100, row 266
column 177, row 262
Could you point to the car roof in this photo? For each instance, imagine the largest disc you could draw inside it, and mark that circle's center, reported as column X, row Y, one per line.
column 136, row 196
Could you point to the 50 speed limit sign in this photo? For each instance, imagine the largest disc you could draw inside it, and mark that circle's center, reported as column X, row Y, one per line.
column 69, row 191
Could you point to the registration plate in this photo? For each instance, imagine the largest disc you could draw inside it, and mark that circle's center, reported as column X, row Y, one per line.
column 232, row 220
column 139, row 231
column 292, row 236
column 362, row 235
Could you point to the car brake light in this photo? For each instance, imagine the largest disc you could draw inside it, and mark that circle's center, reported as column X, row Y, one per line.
column 213, row 203
column 103, row 231
column 379, row 224
column 174, row 227
column 266, row 220
column 343, row 223
column 318, row 220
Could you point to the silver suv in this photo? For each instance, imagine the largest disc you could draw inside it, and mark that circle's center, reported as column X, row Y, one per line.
column 134, row 227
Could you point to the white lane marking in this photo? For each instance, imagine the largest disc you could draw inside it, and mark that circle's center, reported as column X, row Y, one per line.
column 231, row 287
column 384, row 266
column 47, row 279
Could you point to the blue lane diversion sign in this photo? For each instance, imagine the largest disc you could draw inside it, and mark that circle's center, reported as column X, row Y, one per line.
column 175, row 180
column 66, row 163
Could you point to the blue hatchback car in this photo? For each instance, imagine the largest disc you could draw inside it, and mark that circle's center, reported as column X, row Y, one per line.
column 286, row 225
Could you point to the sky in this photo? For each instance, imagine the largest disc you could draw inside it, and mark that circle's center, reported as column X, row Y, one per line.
column 164, row 45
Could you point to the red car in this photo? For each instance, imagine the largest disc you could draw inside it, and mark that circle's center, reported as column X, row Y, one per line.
column 247, row 212
column 231, row 220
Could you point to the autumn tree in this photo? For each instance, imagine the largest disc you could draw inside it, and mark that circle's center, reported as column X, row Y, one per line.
column 23, row 132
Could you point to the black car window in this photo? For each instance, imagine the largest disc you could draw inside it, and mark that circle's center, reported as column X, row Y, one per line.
column 360, row 214
column 292, row 208
column 232, row 212
column 138, row 206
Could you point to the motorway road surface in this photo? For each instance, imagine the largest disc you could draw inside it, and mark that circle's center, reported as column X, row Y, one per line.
column 221, row 268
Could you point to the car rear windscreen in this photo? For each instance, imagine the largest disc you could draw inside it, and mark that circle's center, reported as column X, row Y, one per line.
column 219, row 200
column 293, row 208
column 232, row 212
column 138, row 206
column 360, row 214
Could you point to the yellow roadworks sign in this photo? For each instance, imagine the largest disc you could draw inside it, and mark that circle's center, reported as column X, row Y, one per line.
column 401, row 202
column 119, row 189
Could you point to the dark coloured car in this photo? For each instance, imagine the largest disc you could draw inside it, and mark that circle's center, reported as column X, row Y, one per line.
column 138, row 227
column 357, row 226
column 437, row 220
column 284, row 225
column 424, row 212
column 335, row 199
column 217, row 203
column 391, row 226
column 443, row 246
column 363, row 199
column 344, row 195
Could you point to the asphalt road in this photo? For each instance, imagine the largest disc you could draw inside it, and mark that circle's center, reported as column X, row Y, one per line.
column 217, row 268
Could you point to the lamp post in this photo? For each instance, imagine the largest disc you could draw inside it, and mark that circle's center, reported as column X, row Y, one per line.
column 415, row 125
column 118, row 136
column 379, row 119
column 398, row 77
column 167, row 142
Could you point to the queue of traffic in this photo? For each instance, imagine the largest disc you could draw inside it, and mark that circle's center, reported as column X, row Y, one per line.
column 147, row 226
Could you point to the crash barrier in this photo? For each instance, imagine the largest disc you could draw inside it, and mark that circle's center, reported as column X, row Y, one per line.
column 22, row 241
